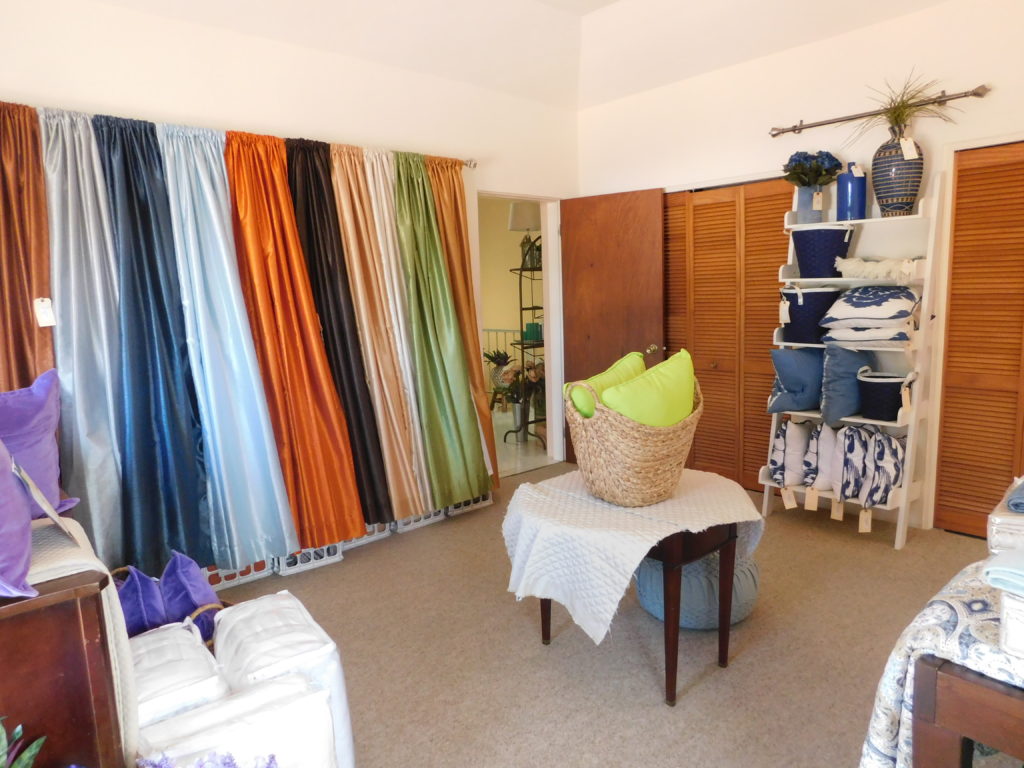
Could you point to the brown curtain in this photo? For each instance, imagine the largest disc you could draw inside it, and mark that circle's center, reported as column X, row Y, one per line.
column 370, row 297
column 26, row 350
column 309, row 424
column 445, row 176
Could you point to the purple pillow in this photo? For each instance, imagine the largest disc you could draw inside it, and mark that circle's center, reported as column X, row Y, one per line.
column 15, row 532
column 28, row 425
column 184, row 589
column 141, row 602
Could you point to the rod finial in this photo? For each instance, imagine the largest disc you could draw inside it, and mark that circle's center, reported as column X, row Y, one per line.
column 980, row 91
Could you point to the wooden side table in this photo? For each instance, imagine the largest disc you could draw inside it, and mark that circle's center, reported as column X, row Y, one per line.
column 674, row 552
column 955, row 706
column 55, row 677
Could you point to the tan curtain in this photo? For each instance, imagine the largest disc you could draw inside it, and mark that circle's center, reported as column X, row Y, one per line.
column 309, row 424
column 380, row 352
column 445, row 175
column 26, row 350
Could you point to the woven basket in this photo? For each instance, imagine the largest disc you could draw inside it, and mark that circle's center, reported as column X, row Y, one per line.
column 624, row 462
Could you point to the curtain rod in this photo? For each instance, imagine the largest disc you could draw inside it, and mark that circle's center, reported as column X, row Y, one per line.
column 471, row 163
column 942, row 98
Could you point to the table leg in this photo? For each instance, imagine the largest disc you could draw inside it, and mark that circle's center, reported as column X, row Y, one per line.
column 671, row 580
column 726, row 571
column 545, row 620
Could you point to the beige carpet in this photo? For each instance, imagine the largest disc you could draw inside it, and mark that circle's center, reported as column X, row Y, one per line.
column 445, row 668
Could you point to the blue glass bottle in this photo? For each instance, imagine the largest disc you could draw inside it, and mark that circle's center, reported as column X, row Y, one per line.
column 851, row 195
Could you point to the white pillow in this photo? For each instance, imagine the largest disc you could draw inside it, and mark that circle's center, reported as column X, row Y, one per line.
column 273, row 636
column 826, row 457
column 797, row 438
column 174, row 672
column 836, row 465
column 871, row 306
column 287, row 718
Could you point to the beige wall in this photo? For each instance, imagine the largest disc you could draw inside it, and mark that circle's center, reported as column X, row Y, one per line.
column 499, row 252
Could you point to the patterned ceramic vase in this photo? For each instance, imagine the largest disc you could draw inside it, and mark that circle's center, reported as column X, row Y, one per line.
column 895, row 179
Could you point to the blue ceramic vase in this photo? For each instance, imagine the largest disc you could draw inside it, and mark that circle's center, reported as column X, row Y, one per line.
column 851, row 195
column 896, row 180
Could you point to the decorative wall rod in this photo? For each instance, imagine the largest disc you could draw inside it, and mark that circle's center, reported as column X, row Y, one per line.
column 942, row 98
column 471, row 163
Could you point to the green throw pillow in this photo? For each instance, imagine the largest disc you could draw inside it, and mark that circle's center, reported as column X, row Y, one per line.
column 659, row 397
column 629, row 367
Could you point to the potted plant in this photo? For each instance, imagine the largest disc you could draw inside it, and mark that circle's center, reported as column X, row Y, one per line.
column 898, row 165
column 809, row 172
column 498, row 358
column 14, row 752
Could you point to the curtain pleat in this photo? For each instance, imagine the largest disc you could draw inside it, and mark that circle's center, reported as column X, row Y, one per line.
column 24, row 249
column 380, row 178
column 309, row 177
column 86, row 339
column 454, row 450
column 371, row 302
column 163, row 475
column 446, row 183
column 309, row 423
column 250, row 517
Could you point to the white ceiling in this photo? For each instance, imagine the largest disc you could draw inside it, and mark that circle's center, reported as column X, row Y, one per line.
column 570, row 53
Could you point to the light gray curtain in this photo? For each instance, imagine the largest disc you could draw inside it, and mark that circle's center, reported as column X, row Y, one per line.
column 250, row 515
column 380, row 177
column 86, row 341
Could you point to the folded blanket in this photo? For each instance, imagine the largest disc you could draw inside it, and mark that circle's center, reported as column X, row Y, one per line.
column 1006, row 571
column 1015, row 499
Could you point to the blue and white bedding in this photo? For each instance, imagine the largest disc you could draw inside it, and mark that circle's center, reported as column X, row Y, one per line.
column 871, row 306
column 961, row 623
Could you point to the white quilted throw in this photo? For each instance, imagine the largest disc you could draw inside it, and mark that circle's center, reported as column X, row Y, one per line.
column 581, row 551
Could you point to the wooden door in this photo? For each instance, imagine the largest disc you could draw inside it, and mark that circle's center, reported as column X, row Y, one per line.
column 612, row 281
column 764, row 248
column 980, row 444
column 713, row 325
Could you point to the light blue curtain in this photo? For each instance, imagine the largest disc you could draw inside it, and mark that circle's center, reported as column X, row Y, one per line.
column 250, row 515
column 87, row 346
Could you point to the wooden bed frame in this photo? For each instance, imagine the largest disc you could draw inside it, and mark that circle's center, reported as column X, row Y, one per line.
column 955, row 707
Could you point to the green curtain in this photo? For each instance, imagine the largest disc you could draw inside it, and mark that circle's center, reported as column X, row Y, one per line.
column 454, row 451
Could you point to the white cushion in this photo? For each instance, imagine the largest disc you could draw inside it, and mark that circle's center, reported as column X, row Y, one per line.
column 797, row 438
column 826, row 458
column 273, row 636
column 287, row 718
column 174, row 672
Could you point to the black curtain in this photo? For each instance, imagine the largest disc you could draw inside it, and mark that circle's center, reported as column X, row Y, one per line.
column 309, row 176
column 163, row 477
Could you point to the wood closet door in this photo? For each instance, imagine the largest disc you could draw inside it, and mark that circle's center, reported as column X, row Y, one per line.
column 980, row 444
column 713, row 326
column 764, row 248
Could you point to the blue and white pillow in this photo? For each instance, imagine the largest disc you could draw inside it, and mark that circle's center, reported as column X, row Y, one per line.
column 894, row 335
column 777, row 460
column 797, row 384
column 885, row 469
column 852, row 443
column 826, row 450
column 871, row 306
column 811, row 457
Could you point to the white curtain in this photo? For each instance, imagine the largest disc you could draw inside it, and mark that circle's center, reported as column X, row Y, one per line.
column 86, row 339
column 250, row 514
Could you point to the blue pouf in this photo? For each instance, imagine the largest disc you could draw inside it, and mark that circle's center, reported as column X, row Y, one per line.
column 699, row 593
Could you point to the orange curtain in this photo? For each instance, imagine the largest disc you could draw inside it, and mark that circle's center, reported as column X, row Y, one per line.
column 445, row 175
column 380, row 354
column 26, row 350
column 309, row 424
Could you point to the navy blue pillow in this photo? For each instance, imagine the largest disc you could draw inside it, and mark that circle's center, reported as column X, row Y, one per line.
column 798, row 374
column 840, row 393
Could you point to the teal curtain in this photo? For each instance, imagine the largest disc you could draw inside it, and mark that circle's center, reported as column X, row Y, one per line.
column 454, row 453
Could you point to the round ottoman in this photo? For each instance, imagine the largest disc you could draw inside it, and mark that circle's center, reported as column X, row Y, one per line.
column 699, row 592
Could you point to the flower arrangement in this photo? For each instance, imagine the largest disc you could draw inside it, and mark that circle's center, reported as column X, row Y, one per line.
column 901, row 104
column 805, row 169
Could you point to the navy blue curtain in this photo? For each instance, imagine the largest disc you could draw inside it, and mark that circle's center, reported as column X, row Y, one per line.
column 309, row 177
column 164, row 496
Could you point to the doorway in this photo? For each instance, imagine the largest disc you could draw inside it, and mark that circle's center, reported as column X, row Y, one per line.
column 512, row 290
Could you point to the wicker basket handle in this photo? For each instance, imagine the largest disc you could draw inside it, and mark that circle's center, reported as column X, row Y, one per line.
column 567, row 395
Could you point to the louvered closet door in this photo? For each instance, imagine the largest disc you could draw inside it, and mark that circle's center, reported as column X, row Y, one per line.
column 764, row 249
column 713, row 329
column 980, row 444
column 677, row 310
